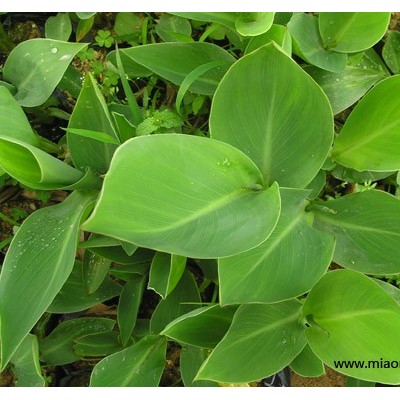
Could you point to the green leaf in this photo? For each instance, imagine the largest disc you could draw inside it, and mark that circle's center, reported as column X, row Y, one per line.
column 354, row 382
column 91, row 114
column 128, row 306
column 391, row 290
column 224, row 18
column 139, row 365
column 189, row 363
column 350, row 32
column 73, row 295
column 317, row 185
column 118, row 255
column 58, row 27
column 165, row 272
column 262, row 339
column 307, row 364
column 278, row 34
column 85, row 15
column 13, row 120
column 352, row 318
column 184, row 204
column 370, row 138
column 182, row 300
column 254, row 23
column 37, row 264
column 128, row 26
column 97, row 344
column 286, row 265
column 367, row 230
column 391, row 51
column 34, row 167
column 307, row 44
column 99, row 136
column 168, row 25
column 36, row 67
column 287, row 130
column 58, row 347
column 351, row 175
column 94, row 270
column 84, row 27
column 26, row 363
column 174, row 61
column 203, row 327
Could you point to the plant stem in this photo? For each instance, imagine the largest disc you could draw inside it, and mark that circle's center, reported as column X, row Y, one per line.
column 8, row 220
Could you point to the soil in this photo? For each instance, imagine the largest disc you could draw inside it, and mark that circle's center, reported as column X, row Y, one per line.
column 330, row 379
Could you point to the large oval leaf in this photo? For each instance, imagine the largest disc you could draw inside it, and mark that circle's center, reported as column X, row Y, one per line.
column 38, row 262
column 262, row 339
column 349, row 32
column 286, row 265
column 206, row 199
column 367, row 230
column 286, row 129
column 370, row 138
column 353, row 319
column 36, row 66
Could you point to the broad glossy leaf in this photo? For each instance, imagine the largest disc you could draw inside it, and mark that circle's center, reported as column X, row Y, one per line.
column 317, row 185
column 184, row 204
column 254, row 23
column 390, row 289
column 352, row 318
column 278, row 33
column 189, row 363
column 94, row 270
column 182, row 300
column 351, row 175
column 307, row 364
column 367, row 230
column 139, row 365
column 26, row 363
column 83, row 28
column 13, row 120
column 262, row 339
column 128, row 306
column 91, row 113
column 224, row 18
column 172, row 28
column 73, row 295
column 34, row 167
column 307, row 44
column 36, row 67
column 85, row 15
column 58, row 347
column 286, row 130
column 286, row 265
column 37, row 264
column 203, row 327
column 370, row 138
column 58, row 27
column 174, row 61
column 349, row 32
column 97, row 344
column 391, row 51
column 165, row 272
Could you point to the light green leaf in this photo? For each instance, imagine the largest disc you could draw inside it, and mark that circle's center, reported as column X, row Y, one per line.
column 94, row 270
column 13, row 121
column 182, row 300
column 26, row 363
column 58, row 347
column 392, row 290
column 391, row 51
column 139, row 365
column 85, row 15
column 307, row 44
column 184, row 204
column 370, row 138
column 99, row 136
column 165, row 272
column 37, row 264
column 224, row 18
column 307, row 364
column 36, row 67
column 128, row 306
column 317, row 185
column 34, row 167
column 254, row 23
column 91, row 114
column 73, row 295
column 352, row 318
column 189, row 363
column 351, row 175
column 58, row 27
column 174, row 61
column 262, row 339
column 367, row 230
column 203, row 327
column 284, row 266
column 350, row 32
column 287, row 130
column 170, row 25
column 97, row 344
column 84, row 27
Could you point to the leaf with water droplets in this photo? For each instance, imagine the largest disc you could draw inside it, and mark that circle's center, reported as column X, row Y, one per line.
column 36, row 67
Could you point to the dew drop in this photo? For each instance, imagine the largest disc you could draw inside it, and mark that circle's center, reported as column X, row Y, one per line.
column 54, row 50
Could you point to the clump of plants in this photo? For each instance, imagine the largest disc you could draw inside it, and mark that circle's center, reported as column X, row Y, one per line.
column 244, row 171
